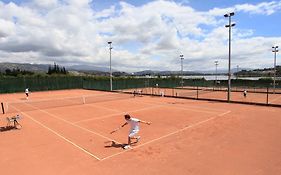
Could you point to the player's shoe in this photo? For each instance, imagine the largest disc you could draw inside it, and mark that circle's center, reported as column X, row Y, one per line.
column 127, row 147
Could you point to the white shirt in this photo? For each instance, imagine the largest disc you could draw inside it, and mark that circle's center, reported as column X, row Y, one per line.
column 26, row 90
column 134, row 122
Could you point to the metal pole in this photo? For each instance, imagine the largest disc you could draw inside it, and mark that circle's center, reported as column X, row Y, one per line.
column 216, row 72
column 110, row 48
column 229, row 53
column 229, row 61
column 274, row 71
column 267, row 95
column 274, row 79
column 197, row 92
column 181, row 57
column 216, row 63
column 237, row 71
column 275, row 50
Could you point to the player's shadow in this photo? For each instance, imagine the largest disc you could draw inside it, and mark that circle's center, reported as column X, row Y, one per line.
column 115, row 145
column 7, row 128
column 118, row 145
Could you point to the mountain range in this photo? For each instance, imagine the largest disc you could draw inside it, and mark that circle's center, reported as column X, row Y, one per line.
column 95, row 69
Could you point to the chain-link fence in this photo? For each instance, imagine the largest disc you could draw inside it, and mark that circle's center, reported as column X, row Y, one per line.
column 257, row 91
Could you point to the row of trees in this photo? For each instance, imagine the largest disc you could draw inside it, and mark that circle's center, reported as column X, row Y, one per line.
column 55, row 69
column 16, row 72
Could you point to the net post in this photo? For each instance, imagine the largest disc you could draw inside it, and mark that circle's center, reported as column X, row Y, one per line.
column 2, row 106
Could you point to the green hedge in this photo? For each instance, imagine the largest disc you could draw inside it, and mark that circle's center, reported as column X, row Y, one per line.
column 42, row 83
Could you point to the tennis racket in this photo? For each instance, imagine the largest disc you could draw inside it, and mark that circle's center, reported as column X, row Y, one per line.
column 115, row 130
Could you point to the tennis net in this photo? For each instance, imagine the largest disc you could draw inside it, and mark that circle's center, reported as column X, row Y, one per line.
column 30, row 105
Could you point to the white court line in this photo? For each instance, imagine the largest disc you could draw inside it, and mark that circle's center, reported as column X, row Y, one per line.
column 93, row 104
column 160, row 105
column 54, row 116
column 85, row 129
column 194, row 107
column 110, row 115
column 167, row 135
column 59, row 98
column 188, row 108
column 62, row 137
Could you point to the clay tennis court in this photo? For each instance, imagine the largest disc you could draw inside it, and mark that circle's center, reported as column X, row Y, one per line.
column 253, row 95
column 185, row 137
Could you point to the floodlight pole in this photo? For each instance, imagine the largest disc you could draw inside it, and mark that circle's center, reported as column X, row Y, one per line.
column 110, row 48
column 216, row 63
column 275, row 50
column 229, row 52
column 237, row 71
column 181, row 57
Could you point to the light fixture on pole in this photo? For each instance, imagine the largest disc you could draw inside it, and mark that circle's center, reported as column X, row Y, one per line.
column 181, row 57
column 230, row 25
column 216, row 63
column 275, row 50
column 110, row 48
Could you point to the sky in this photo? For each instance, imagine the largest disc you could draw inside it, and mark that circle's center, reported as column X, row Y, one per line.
column 145, row 35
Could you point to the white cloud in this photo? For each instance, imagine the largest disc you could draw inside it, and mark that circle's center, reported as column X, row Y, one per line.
column 105, row 13
column 263, row 8
column 266, row 8
column 7, row 28
column 150, row 36
column 45, row 4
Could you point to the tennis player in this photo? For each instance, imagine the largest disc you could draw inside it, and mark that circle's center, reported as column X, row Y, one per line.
column 245, row 93
column 134, row 123
column 27, row 93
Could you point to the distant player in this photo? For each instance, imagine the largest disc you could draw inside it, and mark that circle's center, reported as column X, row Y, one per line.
column 27, row 93
column 156, row 85
column 134, row 123
column 140, row 92
column 245, row 93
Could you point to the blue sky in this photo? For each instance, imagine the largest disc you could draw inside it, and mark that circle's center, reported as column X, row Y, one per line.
column 145, row 34
column 264, row 25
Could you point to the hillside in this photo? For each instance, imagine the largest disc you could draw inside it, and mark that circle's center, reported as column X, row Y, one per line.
column 24, row 66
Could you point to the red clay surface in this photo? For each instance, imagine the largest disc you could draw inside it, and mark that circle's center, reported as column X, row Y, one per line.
column 253, row 95
column 185, row 137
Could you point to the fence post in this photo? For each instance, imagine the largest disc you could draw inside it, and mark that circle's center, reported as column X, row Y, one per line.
column 197, row 93
column 267, row 95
